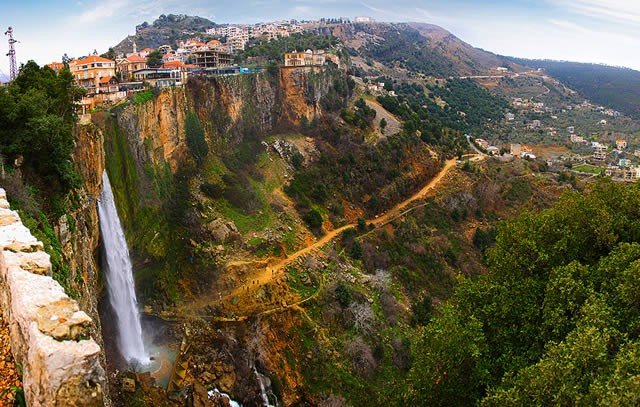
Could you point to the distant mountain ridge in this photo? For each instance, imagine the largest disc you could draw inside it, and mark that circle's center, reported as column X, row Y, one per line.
column 615, row 87
column 468, row 59
column 420, row 47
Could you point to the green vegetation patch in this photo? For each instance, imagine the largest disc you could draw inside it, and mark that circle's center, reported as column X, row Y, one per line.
column 555, row 319
column 140, row 98
column 586, row 168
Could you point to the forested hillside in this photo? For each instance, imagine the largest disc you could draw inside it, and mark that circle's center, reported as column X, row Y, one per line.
column 610, row 86
column 554, row 322
column 404, row 46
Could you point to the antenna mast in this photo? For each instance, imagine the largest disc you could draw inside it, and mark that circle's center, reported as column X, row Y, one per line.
column 13, row 66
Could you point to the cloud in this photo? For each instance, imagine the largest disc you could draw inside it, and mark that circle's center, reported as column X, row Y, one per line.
column 100, row 10
column 568, row 25
column 619, row 11
column 417, row 14
column 302, row 11
column 136, row 11
column 585, row 31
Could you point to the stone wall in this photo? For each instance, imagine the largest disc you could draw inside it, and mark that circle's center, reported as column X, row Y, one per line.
column 50, row 336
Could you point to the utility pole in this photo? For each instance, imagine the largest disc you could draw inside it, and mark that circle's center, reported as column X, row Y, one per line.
column 13, row 66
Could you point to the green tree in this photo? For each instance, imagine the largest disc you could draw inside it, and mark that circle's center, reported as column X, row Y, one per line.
column 565, row 374
column 154, row 59
column 313, row 219
column 448, row 369
column 37, row 115
column 556, row 320
column 110, row 54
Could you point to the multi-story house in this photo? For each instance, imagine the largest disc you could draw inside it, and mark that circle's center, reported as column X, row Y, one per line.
column 309, row 58
column 89, row 71
column 130, row 64
column 208, row 58
column 56, row 66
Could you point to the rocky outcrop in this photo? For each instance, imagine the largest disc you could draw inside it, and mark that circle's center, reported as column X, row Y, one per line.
column 222, row 231
column 158, row 127
column 49, row 333
column 79, row 230
column 230, row 108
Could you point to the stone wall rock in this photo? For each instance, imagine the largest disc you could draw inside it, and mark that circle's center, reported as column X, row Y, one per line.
column 50, row 335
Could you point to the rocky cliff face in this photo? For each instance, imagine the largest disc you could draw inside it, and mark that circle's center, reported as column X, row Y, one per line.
column 303, row 89
column 157, row 182
column 79, row 231
column 157, row 128
column 231, row 110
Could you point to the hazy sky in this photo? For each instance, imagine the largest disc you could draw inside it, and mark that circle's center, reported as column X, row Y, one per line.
column 602, row 31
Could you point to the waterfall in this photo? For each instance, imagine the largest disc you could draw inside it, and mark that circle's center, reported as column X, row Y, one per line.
column 265, row 389
column 122, row 295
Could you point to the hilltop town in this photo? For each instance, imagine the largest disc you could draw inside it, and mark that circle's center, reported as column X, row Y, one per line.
column 541, row 110
column 112, row 77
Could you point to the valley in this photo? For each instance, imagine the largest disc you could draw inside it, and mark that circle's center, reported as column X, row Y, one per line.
column 268, row 270
column 349, row 214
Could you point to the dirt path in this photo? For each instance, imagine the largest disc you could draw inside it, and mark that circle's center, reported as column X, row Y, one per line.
column 277, row 269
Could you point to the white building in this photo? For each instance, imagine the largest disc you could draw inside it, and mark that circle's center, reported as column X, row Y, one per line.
column 599, row 152
column 576, row 139
column 482, row 143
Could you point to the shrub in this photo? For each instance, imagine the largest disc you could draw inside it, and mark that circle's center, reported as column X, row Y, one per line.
column 213, row 191
column 362, row 359
column 313, row 219
column 356, row 250
column 297, row 160
column 195, row 137
column 343, row 295
column 141, row 98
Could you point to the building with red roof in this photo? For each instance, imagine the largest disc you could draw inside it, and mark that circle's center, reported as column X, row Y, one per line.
column 130, row 64
column 56, row 66
column 88, row 71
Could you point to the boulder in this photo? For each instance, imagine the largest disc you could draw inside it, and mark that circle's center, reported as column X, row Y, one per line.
column 221, row 230
column 128, row 385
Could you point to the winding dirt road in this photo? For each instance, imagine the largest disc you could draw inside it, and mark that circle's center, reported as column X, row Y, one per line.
column 272, row 271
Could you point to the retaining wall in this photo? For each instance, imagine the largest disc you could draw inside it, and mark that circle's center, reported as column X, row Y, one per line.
column 49, row 334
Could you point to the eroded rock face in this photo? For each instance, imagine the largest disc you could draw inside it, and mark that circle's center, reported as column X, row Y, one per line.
column 48, row 331
column 230, row 108
column 156, row 129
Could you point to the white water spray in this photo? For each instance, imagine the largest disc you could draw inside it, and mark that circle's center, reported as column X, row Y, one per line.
column 122, row 295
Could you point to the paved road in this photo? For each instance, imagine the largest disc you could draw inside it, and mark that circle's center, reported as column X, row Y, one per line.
column 473, row 146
